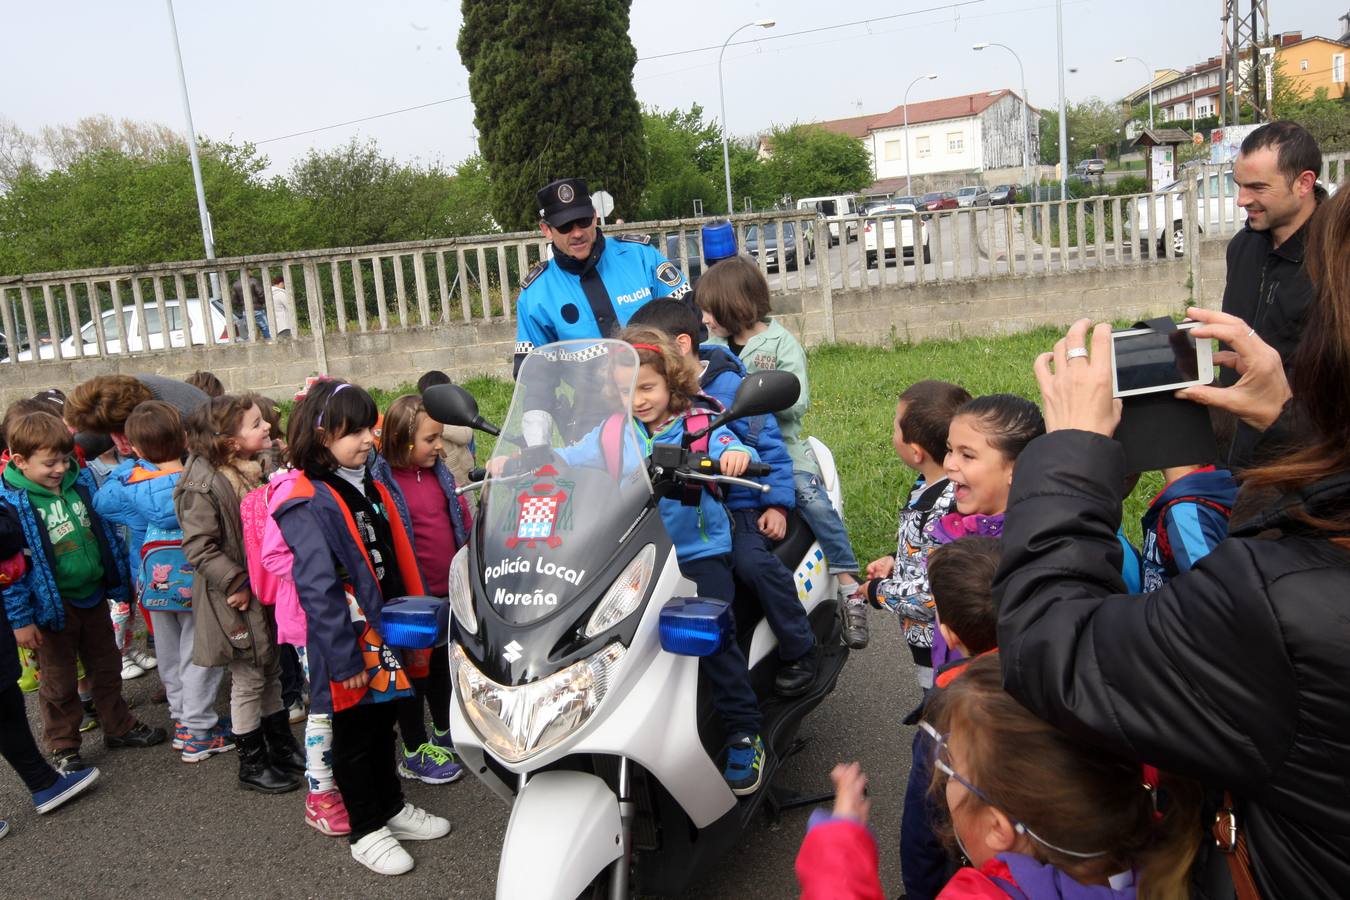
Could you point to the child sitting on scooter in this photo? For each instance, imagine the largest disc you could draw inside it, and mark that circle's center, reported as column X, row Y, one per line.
column 662, row 393
column 759, row 519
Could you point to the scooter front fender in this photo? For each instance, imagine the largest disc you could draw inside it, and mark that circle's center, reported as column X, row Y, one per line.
column 564, row 830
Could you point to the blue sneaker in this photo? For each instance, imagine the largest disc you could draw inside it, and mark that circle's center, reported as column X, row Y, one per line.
column 442, row 739
column 216, row 740
column 67, row 787
column 181, row 735
column 4, row 828
column 431, row 764
column 745, row 765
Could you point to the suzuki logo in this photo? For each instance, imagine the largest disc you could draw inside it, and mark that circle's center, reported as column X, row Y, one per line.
column 511, row 652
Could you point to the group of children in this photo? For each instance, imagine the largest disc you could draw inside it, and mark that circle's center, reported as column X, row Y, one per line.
column 1030, row 811
column 239, row 546
column 242, row 549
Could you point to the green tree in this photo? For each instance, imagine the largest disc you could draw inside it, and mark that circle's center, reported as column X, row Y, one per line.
column 684, row 164
column 1093, row 126
column 807, row 160
column 553, row 97
column 108, row 208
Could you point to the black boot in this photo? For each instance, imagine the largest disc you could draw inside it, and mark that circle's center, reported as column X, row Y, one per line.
column 255, row 770
column 795, row 678
column 283, row 750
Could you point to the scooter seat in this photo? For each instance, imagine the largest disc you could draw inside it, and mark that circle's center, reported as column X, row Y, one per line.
column 795, row 543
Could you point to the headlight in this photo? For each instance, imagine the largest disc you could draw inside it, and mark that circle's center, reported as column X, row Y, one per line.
column 461, row 592
column 518, row 722
column 624, row 594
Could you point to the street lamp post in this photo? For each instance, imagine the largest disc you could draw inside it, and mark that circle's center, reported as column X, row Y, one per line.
column 1026, row 118
column 207, row 237
column 1151, row 78
column 722, row 93
column 1063, row 112
column 928, row 77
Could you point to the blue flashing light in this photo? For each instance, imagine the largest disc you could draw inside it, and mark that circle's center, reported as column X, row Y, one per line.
column 691, row 626
column 415, row 623
column 719, row 241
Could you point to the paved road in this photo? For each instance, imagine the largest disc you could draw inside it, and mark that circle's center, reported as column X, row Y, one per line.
column 155, row 827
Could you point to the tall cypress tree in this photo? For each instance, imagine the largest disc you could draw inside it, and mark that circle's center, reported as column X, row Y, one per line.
column 552, row 88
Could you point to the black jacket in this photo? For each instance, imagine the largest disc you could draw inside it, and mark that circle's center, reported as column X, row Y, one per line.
column 1268, row 288
column 1236, row 673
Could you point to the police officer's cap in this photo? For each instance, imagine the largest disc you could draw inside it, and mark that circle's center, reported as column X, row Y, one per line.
column 565, row 200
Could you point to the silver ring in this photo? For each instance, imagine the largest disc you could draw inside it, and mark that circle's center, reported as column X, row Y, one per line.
column 1251, row 332
column 1077, row 353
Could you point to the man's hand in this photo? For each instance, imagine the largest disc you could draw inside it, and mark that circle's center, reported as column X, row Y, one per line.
column 773, row 523
column 356, row 682
column 239, row 599
column 735, row 462
column 881, row 568
column 28, row 637
column 850, row 792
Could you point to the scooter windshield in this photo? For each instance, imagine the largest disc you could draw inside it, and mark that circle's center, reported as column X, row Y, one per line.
column 566, row 479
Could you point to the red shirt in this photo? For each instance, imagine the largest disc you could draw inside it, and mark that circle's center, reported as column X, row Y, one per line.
column 433, row 535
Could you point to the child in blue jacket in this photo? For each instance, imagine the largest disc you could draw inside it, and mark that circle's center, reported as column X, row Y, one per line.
column 58, row 607
column 1185, row 521
column 758, row 519
column 139, row 495
column 664, row 392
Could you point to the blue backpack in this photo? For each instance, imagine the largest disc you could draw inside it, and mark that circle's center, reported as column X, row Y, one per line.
column 165, row 576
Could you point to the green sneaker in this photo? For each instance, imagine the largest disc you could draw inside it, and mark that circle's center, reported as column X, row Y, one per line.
column 28, row 677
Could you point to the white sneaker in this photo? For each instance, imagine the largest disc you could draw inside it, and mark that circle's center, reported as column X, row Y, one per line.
column 130, row 669
column 413, row 824
column 381, row 853
column 143, row 659
column 296, row 712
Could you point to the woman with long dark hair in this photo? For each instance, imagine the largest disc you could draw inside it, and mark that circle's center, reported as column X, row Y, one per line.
column 1237, row 673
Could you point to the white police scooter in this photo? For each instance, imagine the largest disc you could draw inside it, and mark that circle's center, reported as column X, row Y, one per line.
column 575, row 641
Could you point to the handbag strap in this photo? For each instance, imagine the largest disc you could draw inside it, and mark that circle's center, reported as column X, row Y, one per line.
column 1232, row 841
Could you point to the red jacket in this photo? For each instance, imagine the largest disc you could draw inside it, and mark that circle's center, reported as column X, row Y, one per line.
column 838, row 861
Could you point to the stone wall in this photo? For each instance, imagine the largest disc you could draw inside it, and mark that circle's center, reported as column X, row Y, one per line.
column 877, row 316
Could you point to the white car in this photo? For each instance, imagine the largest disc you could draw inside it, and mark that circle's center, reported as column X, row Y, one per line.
column 885, row 220
column 840, row 211
column 114, row 330
column 1210, row 211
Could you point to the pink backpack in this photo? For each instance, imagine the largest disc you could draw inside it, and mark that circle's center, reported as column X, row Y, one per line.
column 270, row 558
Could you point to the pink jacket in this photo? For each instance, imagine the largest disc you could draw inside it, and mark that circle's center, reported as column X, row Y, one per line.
column 274, row 562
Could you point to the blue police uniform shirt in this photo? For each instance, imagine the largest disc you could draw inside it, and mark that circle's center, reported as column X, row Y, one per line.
column 553, row 305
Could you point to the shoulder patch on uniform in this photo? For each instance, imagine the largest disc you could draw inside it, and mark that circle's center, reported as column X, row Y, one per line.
column 534, row 273
column 635, row 238
column 669, row 274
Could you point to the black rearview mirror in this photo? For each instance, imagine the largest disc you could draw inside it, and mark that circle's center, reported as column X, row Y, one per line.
column 450, row 404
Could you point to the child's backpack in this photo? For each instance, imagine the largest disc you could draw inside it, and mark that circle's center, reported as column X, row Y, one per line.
column 165, row 575
column 1166, row 554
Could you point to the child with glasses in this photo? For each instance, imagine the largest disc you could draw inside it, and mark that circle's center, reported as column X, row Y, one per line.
column 1040, row 815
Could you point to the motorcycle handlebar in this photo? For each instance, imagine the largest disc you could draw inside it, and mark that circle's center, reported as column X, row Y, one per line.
column 757, row 470
column 726, row 479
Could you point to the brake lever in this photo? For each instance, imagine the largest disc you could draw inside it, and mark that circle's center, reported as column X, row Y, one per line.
column 724, row 479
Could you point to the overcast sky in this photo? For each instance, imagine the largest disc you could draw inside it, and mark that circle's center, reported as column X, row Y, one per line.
column 260, row 70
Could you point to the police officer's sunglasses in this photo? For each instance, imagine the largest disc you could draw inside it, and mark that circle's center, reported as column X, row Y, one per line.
column 566, row 227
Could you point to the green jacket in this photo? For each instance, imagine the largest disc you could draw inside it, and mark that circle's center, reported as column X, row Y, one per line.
column 776, row 348
column 78, row 561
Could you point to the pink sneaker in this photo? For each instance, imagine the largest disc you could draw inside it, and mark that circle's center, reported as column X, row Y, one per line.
column 326, row 813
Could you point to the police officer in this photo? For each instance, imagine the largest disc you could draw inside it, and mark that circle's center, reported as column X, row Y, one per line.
column 593, row 283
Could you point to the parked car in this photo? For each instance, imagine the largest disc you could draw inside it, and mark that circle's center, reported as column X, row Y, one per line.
column 840, row 210
column 1173, row 233
column 905, row 214
column 1091, row 167
column 972, row 195
column 694, row 267
column 792, row 250
column 115, row 330
column 938, row 200
column 1003, row 195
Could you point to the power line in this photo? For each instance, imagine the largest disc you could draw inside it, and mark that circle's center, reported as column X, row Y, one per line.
column 394, row 112
column 788, row 34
